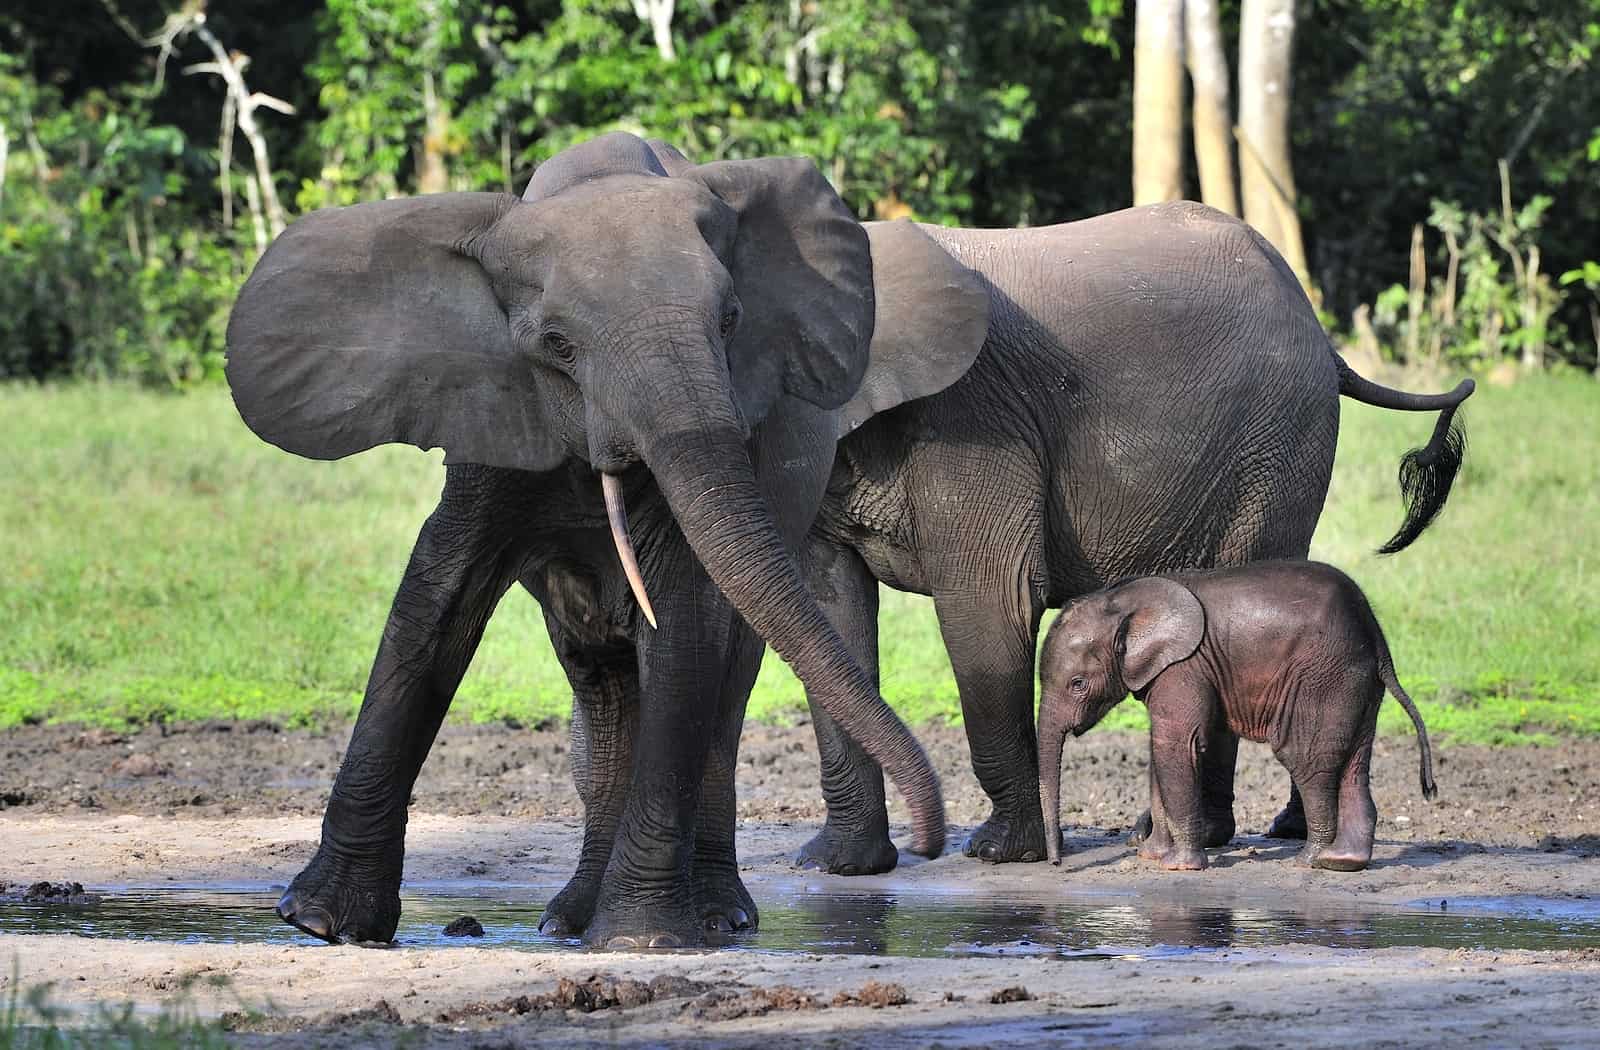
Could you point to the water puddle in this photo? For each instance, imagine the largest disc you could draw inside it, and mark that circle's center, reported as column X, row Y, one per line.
column 919, row 923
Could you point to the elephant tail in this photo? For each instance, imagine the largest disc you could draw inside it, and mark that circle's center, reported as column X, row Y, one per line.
column 1426, row 473
column 1386, row 674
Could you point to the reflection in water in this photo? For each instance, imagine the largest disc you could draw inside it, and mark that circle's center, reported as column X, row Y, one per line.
column 904, row 924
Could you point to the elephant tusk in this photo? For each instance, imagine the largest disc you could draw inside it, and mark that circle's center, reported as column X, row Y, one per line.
column 617, row 514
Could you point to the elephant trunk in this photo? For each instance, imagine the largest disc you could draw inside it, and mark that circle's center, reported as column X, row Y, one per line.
column 709, row 483
column 1053, row 729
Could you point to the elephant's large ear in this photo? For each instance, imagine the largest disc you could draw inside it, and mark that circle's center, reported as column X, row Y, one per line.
column 932, row 319
column 371, row 324
column 802, row 270
column 1162, row 623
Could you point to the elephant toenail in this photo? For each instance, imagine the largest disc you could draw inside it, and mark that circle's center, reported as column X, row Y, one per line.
column 666, row 940
column 1029, row 857
column 989, row 851
column 311, row 919
column 623, row 943
column 740, row 919
column 554, row 926
column 717, row 924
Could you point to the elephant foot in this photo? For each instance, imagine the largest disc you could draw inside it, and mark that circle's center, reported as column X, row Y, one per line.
column 1008, row 838
column 841, row 852
column 1289, row 824
column 623, row 923
column 1183, row 858
column 725, row 906
column 568, row 913
column 343, row 901
column 1156, row 845
column 1219, row 829
column 1342, row 857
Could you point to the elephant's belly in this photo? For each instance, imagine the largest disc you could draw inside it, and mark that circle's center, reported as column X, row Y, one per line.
column 892, row 565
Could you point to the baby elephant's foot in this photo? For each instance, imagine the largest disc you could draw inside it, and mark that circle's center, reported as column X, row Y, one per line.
column 1219, row 829
column 1289, row 824
column 1338, row 857
column 1183, row 858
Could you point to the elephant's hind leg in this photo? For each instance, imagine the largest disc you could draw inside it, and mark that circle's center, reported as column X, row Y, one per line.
column 465, row 558
column 854, row 840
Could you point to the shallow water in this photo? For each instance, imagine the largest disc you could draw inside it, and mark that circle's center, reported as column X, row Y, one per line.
column 922, row 923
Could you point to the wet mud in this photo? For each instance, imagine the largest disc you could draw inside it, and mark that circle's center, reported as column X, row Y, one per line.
column 1477, row 923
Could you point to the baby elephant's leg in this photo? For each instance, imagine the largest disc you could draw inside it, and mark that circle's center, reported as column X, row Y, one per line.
column 1358, row 815
column 1175, row 757
column 1157, row 841
column 1319, row 789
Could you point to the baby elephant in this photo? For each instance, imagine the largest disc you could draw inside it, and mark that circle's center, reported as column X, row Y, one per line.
column 1286, row 653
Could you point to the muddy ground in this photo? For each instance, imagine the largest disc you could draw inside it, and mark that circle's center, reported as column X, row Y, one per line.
column 237, row 805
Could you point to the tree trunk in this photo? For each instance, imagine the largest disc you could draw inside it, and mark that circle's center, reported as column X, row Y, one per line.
column 658, row 15
column 433, row 176
column 1266, row 43
column 1158, row 101
column 1212, row 119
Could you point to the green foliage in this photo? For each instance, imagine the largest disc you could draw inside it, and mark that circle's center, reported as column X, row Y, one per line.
column 103, row 270
column 149, row 535
column 31, row 1020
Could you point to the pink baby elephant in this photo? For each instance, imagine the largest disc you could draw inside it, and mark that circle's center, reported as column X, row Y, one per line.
column 1286, row 653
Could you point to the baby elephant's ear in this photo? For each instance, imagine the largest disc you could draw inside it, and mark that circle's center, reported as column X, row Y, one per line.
column 1162, row 623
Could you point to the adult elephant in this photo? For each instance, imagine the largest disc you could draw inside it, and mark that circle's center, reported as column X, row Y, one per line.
column 640, row 346
column 1155, row 393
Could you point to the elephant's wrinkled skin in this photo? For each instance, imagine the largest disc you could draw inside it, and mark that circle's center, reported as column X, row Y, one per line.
column 1155, row 393
column 694, row 336
column 1285, row 653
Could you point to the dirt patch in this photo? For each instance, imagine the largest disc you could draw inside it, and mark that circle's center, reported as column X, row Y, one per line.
column 227, row 805
column 1545, row 797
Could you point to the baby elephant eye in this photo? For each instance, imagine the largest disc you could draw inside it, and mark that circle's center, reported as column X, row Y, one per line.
column 730, row 322
column 1078, row 684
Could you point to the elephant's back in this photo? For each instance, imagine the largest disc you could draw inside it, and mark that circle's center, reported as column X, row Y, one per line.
column 1168, row 375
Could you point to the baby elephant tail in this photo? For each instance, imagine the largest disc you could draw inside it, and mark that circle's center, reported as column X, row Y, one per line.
column 1430, row 790
column 1425, row 473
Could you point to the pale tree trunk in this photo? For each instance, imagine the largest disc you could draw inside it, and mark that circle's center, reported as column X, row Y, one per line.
column 1266, row 44
column 1212, row 120
column 658, row 15
column 433, row 175
column 1158, row 101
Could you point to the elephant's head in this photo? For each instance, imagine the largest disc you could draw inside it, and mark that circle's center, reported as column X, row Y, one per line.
column 633, row 309
column 1101, row 648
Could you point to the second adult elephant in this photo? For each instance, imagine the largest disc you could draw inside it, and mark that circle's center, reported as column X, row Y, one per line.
column 1154, row 393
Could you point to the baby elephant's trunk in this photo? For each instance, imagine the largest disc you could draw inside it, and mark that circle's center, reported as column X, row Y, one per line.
column 1052, row 738
column 1386, row 673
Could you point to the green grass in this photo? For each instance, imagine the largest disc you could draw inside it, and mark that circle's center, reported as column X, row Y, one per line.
column 161, row 562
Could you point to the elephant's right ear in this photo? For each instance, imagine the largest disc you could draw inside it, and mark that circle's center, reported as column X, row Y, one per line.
column 374, row 324
column 1162, row 623
column 932, row 317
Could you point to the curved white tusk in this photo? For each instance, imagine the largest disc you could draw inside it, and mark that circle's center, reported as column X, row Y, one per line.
column 617, row 514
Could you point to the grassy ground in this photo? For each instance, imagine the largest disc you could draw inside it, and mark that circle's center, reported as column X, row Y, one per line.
column 160, row 561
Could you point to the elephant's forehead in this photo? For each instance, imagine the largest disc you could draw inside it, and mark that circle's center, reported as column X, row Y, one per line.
column 630, row 207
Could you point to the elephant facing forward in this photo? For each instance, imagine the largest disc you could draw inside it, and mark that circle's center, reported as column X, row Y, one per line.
column 638, row 374
column 1154, row 393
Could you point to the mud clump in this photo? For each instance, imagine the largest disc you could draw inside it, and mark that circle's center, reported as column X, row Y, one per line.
column 1015, row 994
column 466, row 926
column 140, row 764
column 874, row 994
column 595, row 992
column 730, row 1004
column 58, row 893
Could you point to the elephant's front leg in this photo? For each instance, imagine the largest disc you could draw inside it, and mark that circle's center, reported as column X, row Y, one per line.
column 464, row 559
column 647, row 895
column 990, row 637
column 1216, row 776
column 605, row 718
column 723, row 903
column 855, row 838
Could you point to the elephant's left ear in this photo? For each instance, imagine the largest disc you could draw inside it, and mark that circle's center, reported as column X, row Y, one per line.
column 932, row 319
column 802, row 270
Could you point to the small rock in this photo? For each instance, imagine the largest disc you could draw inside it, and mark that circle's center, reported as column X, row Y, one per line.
column 466, row 926
column 59, row 893
column 1015, row 994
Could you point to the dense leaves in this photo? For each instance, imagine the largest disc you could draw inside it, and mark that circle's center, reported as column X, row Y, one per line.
column 115, row 256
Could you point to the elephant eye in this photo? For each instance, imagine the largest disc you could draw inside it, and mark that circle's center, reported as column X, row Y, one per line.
column 559, row 347
column 1079, row 685
column 730, row 321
